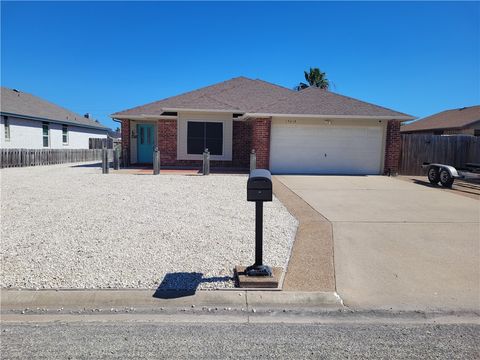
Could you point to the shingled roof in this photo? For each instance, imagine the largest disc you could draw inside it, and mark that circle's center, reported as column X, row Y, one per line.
column 14, row 102
column 250, row 96
column 448, row 119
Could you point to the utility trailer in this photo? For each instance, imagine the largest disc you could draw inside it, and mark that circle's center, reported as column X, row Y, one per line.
column 446, row 174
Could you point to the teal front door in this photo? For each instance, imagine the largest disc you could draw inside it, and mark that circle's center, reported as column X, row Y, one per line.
column 145, row 141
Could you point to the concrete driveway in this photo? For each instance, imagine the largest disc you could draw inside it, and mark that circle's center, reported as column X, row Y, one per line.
column 398, row 245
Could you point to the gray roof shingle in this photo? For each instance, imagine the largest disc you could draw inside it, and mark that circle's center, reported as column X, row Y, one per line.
column 315, row 101
column 20, row 103
column 448, row 119
column 257, row 96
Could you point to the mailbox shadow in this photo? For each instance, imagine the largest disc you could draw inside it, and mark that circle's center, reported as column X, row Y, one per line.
column 182, row 284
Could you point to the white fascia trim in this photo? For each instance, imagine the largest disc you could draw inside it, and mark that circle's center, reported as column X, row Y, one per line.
column 401, row 117
column 202, row 110
column 144, row 117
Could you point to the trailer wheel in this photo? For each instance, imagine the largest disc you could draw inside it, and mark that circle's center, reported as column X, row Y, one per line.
column 446, row 179
column 433, row 175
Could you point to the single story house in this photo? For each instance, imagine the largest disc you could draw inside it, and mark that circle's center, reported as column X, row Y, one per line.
column 312, row 131
column 465, row 121
column 29, row 122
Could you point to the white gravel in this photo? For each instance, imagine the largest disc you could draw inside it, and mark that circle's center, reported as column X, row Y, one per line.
column 73, row 227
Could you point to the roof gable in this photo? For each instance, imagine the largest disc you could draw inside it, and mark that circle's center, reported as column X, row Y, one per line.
column 240, row 94
column 448, row 119
column 257, row 96
column 21, row 103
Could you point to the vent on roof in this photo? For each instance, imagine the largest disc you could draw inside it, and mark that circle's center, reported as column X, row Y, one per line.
column 87, row 115
column 462, row 108
column 169, row 113
column 16, row 90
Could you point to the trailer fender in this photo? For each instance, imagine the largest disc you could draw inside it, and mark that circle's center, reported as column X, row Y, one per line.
column 451, row 170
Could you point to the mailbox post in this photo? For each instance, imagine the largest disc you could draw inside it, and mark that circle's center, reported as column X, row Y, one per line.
column 259, row 189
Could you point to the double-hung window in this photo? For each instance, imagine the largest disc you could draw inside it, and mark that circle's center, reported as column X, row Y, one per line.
column 204, row 135
column 65, row 134
column 45, row 134
column 6, row 125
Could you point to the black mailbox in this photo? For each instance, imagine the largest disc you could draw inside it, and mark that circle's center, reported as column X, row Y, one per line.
column 259, row 185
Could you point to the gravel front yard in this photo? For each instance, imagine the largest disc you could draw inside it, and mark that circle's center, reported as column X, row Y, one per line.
column 72, row 227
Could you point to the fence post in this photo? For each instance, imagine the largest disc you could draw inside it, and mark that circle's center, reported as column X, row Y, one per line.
column 116, row 159
column 253, row 160
column 156, row 161
column 206, row 162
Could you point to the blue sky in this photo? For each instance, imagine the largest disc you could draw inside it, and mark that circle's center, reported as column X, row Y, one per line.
column 103, row 57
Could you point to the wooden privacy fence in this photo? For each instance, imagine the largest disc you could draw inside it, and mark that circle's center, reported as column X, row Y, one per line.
column 99, row 143
column 456, row 150
column 36, row 157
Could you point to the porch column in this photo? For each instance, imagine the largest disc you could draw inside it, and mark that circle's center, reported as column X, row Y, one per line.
column 125, row 131
column 261, row 141
column 393, row 148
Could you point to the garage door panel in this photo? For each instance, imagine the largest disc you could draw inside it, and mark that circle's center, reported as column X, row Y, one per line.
column 326, row 150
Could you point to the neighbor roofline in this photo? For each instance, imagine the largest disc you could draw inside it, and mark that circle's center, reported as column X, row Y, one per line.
column 65, row 122
column 431, row 128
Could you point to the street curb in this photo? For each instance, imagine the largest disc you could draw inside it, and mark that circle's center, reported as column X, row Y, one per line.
column 94, row 299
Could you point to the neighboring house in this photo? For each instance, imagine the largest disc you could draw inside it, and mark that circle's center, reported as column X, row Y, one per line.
column 310, row 131
column 115, row 135
column 465, row 121
column 29, row 122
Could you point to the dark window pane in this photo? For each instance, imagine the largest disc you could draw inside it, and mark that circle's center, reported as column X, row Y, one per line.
column 196, row 129
column 45, row 130
column 142, row 135
column 195, row 146
column 201, row 135
column 214, row 146
column 214, row 130
column 45, row 141
column 65, row 139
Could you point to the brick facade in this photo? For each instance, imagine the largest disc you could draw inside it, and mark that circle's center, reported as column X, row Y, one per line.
column 393, row 148
column 167, row 144
column 241, row 144
column 261, row 130
column 248, row 135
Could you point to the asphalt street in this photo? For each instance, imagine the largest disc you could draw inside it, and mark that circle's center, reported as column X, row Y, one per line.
column 216, row 340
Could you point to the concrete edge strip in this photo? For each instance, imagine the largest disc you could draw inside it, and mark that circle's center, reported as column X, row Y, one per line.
column 279, row 195
column 19, row 300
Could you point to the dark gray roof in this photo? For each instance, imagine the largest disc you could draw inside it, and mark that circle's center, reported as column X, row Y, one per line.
column 239, row 94
column 257, row 96
column 448, row 119
column 317, row 101
column 14, row 102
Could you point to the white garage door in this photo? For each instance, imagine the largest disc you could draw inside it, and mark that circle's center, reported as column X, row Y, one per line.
column 315, row 149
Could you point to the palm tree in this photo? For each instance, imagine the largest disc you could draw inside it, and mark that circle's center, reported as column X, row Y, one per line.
column 314, row 78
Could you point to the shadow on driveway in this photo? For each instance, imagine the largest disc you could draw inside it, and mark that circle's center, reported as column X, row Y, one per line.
column 99, row 164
